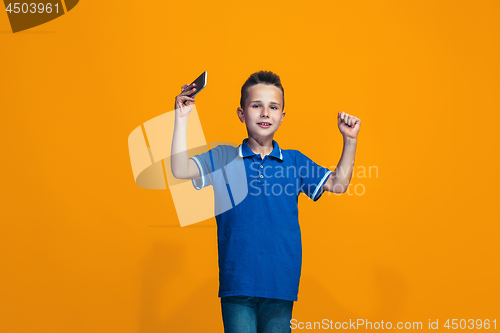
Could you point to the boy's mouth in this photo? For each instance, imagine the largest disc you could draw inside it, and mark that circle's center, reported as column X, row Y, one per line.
column 264, row 124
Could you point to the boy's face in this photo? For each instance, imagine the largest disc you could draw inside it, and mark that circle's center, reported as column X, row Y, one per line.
column 264, row 104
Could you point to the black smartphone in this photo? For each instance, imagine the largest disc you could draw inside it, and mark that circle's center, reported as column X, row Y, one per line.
column 201, row 82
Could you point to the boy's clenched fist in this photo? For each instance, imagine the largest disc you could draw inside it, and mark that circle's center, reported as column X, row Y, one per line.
column 348, row 125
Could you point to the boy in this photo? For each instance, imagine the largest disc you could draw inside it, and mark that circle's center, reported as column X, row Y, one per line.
column 259, row 241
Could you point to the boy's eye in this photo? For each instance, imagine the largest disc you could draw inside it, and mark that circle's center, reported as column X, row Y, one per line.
column 273, row 107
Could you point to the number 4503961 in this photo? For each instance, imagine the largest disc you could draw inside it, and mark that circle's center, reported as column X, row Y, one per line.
column 470, row 324
column 32, row 8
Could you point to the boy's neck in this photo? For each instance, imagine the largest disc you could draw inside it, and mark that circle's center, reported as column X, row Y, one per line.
column 262, row 146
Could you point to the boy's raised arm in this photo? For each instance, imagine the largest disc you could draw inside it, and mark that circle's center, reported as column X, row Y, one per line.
column 349, row 128
column 182, row 167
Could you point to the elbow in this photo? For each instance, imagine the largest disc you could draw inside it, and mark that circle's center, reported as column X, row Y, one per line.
column 343, row 189
column 338, row 189
column 177, row 175
column 335, row 185
column 174, row 173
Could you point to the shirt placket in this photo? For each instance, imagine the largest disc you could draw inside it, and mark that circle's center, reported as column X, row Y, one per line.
column 260, row 169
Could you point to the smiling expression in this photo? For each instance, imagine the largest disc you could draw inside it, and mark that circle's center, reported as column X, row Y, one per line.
column 264, row 104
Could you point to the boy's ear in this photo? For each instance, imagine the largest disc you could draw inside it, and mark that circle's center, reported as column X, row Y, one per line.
column 241, row 115
column 282, row 116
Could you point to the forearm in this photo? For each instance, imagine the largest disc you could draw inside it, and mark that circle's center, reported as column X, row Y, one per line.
column 343, row 173
column 179, row 156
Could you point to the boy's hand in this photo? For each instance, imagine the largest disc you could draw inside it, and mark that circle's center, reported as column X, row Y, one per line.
column 348, row 125
column 183, row 103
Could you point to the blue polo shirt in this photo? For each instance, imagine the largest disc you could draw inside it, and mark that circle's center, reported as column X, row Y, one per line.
column 258, row 232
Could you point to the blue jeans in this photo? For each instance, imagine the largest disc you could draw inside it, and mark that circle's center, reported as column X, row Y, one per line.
column 245, row 314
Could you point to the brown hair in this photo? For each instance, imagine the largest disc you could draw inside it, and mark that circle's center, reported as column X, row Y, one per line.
column 264, row 77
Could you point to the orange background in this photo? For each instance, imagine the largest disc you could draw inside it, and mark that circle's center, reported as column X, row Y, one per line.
column 84, row 249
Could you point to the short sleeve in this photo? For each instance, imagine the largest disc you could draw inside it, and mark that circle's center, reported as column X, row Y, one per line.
column 207, row 163
column 312, row 176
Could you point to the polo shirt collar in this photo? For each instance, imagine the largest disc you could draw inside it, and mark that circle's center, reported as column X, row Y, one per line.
column 245, row 151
